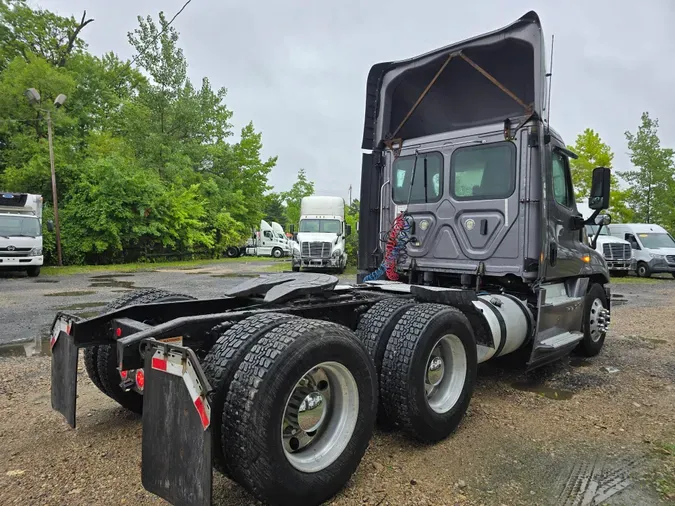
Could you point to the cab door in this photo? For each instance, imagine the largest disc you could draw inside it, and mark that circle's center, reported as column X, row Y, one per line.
column 266, row 243
column 564, row 243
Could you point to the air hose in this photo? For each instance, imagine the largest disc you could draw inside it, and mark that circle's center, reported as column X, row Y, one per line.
column 396, row 242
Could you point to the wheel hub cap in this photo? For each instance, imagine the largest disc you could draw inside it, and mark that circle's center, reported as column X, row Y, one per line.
column 320, row 417
column 435, row 371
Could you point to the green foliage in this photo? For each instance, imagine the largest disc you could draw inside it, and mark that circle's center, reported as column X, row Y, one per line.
column 651, row 183
column 594, row 153
column 274, row 210
column 145, row 165
column 352, row 243
column 301, row 188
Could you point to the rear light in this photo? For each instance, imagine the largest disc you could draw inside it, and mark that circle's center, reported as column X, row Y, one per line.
column 140, row 379
column 118, row 332
column 124, row 374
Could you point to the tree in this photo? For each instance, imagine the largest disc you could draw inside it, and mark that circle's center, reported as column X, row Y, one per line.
column 273, row 209
column 593, row 152
column 352, row 244
column 651, row 183
column 292, row 198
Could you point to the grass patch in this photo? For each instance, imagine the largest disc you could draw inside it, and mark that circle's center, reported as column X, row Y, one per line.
column 148, row 266
column 664, row 477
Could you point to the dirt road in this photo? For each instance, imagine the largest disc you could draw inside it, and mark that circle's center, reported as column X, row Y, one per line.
column 580, row 432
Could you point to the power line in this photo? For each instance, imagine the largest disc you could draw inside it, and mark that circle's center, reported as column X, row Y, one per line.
column 133, row 60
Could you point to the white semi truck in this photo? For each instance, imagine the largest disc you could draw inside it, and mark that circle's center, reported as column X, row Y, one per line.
column 321, row 235
column 617, row 252
column 268, row 242
column 21, row 232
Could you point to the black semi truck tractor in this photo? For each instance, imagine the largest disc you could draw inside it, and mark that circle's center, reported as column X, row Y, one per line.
column 471, row 248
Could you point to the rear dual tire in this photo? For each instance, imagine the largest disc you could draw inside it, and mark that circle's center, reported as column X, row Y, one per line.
column 100, row 362
column 266, row 368
column 425, row 355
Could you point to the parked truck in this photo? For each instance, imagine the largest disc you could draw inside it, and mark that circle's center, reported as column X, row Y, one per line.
column 21, row 232
column 652, row 245
column 617, row 252
column 268, row 242
column 321, row 235
column 471, row 248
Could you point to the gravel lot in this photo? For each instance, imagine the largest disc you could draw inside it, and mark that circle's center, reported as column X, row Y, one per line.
column 569, row 434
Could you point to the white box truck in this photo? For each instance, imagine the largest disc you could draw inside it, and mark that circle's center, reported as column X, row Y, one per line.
column 653, row 247
column 268, row 242
column 21, row 232
column 321, row 234
column 616, row 251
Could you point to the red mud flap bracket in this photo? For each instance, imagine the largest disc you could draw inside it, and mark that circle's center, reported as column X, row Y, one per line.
column 176, row 459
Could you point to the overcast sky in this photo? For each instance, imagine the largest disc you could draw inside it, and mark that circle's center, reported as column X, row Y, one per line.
column 298, row 69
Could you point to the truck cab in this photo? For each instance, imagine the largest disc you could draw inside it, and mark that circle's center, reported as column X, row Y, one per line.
column 321, row 235
column 268, row 242
column 653, row 247
column 21, row 232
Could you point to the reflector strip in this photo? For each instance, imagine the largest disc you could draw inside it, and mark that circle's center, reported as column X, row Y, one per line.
column 59, row 327
column 172, row 364
column 159, row 364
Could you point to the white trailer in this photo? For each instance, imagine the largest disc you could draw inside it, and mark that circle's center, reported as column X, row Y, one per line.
column 21, row 232
column 321, row 234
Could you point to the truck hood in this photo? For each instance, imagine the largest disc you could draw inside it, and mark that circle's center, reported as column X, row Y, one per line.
column 661, row 251
column 316, row 237
column 607, row 239
column 462, row 96
column 21, row 242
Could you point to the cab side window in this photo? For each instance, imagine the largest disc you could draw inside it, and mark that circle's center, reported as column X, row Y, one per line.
column 562, row 189
column 268, row 234
column 633, row 241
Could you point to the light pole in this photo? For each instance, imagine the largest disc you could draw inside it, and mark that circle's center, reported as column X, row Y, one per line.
column 34, row 98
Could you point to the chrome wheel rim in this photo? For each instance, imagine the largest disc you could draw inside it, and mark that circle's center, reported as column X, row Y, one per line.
column 320, row 417
column 445, row 373
column 597, row 320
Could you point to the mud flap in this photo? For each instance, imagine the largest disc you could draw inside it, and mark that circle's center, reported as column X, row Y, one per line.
column 176, row 458
column 64, row 376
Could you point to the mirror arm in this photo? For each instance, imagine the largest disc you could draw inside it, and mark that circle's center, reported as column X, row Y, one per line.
column 591, row 219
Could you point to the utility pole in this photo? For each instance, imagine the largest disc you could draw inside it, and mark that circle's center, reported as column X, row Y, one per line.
column 34, row 98
column 57, row 229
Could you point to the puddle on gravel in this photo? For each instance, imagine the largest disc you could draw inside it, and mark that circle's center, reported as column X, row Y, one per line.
column 74, row 293
column 42, row 280
column 235, row 275
column 26, row 348
column 111, row 276
column 556, row 394
column 111, row 283
column 580, row 362
column 123, row 290
column 82, row 305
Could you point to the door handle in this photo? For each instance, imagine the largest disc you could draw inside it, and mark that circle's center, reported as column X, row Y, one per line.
column 483, row 227
column 553, row 254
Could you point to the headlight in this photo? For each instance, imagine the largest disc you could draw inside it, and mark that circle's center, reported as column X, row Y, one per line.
column 657, row 257
column 35, row 252
column 337, row 253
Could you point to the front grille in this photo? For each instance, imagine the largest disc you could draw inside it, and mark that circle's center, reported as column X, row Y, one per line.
column 670, row 259
column 617, row 251
column 16, row 252
column 316, row 249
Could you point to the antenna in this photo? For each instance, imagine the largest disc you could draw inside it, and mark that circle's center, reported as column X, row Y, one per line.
column 550, row 84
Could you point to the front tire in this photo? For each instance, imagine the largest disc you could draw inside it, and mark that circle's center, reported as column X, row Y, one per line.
column 277, row 253
column 33, row 272
column 282, row 453
column 643, row 270
column 594, row 336
column 232, row 252
column 429, row 371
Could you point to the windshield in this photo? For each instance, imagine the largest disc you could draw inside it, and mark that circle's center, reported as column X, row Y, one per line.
column 19, row 226
column 655, row 241
column 327, row 226
column 591, row 230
